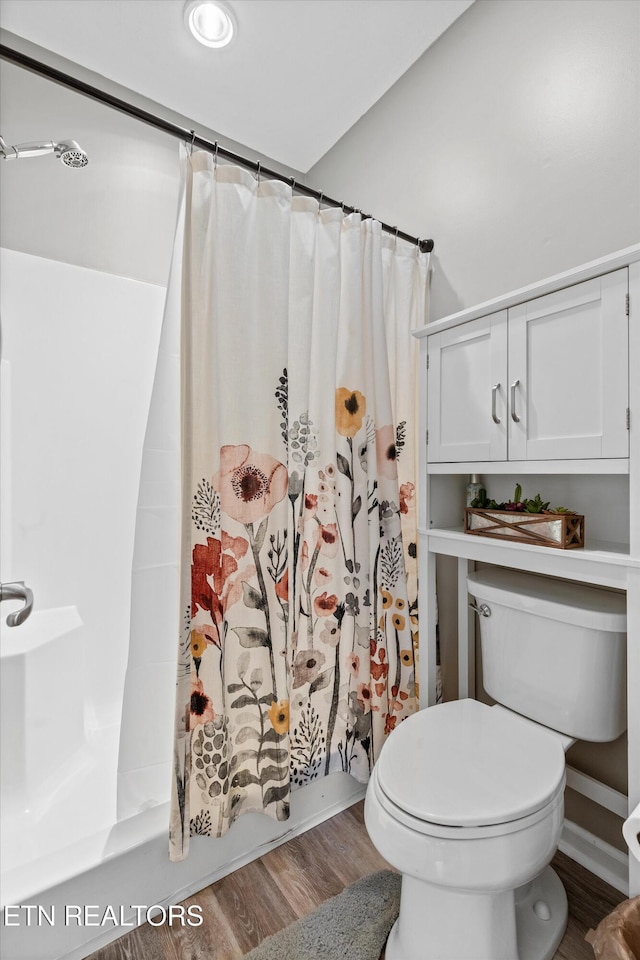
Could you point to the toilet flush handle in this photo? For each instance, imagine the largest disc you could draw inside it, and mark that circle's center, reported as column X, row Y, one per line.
column 482, row 610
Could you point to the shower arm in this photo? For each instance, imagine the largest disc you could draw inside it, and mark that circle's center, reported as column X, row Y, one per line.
column 35, row 149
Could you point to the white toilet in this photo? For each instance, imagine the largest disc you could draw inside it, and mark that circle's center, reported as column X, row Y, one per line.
column 466, row 800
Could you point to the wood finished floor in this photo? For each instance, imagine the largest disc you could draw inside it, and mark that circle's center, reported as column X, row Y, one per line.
column 294, row 879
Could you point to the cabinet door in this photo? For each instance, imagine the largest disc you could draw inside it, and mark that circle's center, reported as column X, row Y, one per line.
column 466, row 392
column 568, row 373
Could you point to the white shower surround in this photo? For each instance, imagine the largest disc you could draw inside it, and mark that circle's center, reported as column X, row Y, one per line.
column 91, row 825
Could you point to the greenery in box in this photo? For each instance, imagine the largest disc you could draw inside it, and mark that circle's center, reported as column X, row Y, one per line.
column 517, row 505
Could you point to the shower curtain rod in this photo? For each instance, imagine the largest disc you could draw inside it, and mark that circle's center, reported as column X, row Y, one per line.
column 44, row 70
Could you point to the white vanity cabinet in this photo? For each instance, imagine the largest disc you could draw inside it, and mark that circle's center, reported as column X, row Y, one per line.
column 547, row 379
column 538, row 387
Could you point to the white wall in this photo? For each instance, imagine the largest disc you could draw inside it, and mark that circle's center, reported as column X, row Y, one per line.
column 514, row 142
column 117, row 214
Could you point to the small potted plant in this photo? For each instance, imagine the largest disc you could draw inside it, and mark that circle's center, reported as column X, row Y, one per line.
column 531, row 521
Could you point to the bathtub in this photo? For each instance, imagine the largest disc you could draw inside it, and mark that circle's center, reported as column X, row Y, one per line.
column 73, row 877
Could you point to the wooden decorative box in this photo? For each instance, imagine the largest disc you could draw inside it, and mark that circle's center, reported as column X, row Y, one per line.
column 562, row 530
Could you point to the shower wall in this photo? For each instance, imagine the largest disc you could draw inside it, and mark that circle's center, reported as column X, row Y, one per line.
column 79, row 350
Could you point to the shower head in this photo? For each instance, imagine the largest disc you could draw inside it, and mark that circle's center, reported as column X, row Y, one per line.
column 70, row 152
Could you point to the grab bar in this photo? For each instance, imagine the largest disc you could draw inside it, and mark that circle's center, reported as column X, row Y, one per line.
column 17, row 591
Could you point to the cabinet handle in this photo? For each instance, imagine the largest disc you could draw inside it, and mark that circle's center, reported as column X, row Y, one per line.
column 494, row 392
column 514, row 416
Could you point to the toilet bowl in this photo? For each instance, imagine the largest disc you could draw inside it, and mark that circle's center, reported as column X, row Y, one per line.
column 466, row 801
column 471, row 834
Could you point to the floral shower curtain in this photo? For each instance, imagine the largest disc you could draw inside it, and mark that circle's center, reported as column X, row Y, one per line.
column 299, row 588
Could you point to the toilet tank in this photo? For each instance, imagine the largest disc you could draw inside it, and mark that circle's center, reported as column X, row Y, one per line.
column 554, row 651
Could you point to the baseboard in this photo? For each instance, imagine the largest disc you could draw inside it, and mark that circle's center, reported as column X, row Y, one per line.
column 307, row 816
column 310, row 806
column 596, row 855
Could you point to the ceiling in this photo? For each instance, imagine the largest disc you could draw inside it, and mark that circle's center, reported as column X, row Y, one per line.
column 298, row 76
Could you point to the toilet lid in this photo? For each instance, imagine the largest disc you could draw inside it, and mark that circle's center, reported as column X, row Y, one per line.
column 465, row 764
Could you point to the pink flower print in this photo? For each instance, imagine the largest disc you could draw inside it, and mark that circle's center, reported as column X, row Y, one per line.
column 364, row 697
column 324, row 605
column 330, row 634
column 237, row 546
column 386, row 452
column 234, row 590
column 250, row 484
column 327, row 540
column 306, row 666
column 407, row 491
column 322, row 576
column 353, row 664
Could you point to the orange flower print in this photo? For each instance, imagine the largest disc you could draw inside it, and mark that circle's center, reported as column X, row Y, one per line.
column 406, row 656
column 210, row 569
column 198, row 645
column 324, row 605
column 203, row 636
column 407, row 491
column 389, row 723
column 387, row 599
column 351, row 407
column 279, row 716
column 379, row 670
column 282, row 587
column 398, row 621
column 214, row 588
column 250, row 484
column 386, row 453
column 201, row 707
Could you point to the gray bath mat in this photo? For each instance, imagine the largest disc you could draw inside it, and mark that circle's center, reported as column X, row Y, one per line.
column 353, row 925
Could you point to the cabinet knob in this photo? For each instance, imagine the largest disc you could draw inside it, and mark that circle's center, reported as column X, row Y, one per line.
column 514, row 416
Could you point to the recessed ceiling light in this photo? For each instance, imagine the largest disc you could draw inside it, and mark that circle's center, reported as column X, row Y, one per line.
column 212, row 22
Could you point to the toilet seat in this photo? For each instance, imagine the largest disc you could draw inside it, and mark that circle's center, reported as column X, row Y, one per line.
column 464, row 766
column 426, row 828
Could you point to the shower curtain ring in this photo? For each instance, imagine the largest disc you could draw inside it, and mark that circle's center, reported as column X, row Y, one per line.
column 193, row 136
column 215, row 154
column 258, row 172
column 395, row 245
